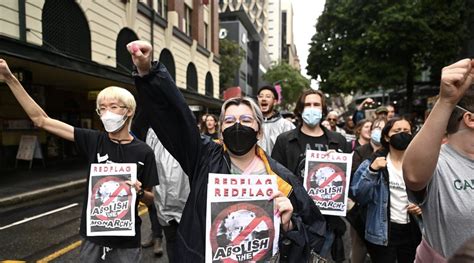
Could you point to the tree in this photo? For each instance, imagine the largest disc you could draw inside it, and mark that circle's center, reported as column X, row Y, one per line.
column 291, row 81
column 231, row 55
column 361, row 44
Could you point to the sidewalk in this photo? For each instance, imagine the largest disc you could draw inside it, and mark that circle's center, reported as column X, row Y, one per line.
column 20, row 185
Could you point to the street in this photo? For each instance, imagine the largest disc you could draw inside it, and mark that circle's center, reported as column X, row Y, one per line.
column 47, row 230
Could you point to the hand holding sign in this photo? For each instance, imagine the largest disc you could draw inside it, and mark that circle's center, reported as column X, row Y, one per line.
column 136, row 184
column 284, row 208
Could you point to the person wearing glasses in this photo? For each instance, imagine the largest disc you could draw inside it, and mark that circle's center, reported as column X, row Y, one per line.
column 442, row 175
column 273, row 123
column 333, row 118
column 302, row 225
column 115, row 107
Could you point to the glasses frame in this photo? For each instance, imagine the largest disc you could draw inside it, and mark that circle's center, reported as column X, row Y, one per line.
column 108, row 107
column 235, row 120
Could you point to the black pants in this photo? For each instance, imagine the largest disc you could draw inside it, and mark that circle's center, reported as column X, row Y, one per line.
column 401, row 246
column 170, row 235
column 156, row 228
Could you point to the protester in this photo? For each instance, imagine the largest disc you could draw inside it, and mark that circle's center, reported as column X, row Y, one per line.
column 210, row 127
column 362, row 133
column 290, row 150
column 364, row 152
column 349, row 127
column 441, row 174
column 302, row 225
column 171, row 194
column 333, row 118
column 357, row 215
column 273, row 123
column 390, row 111
column 116, row 107
column 391, row 228
column 381, row 112
column 359, row 113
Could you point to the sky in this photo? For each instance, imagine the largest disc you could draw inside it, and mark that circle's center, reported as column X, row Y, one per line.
column 306, row 13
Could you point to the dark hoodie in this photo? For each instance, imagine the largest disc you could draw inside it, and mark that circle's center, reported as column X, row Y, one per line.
column 163, row 108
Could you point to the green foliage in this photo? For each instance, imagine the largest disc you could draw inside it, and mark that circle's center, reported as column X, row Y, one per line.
column 362, row 44
column 291, row 81
column 231, row 55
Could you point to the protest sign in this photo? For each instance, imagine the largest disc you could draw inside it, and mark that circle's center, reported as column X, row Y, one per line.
column 241, row 225
column 326, row 179
column 111, row 202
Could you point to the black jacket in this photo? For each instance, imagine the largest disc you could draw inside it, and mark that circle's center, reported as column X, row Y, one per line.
column 163, row 108
column 287, row 148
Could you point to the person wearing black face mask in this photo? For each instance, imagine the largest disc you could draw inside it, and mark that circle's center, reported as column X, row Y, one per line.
column 302, row 225
column 378, row 183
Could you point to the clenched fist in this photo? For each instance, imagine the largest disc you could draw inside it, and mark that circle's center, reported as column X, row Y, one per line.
column 455, row 80
column 141, row 55
column 378, row 163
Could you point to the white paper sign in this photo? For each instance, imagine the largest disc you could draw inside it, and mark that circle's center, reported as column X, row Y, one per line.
column 111, row 202
column 326, row 179
column 241, row 225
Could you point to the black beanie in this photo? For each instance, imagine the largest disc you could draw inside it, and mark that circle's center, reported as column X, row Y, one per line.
column 270, row 88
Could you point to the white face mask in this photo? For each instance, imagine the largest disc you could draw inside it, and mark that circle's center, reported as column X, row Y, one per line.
column 112, row 121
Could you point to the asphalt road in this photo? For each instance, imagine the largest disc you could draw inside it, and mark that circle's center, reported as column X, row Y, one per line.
column 48, row 230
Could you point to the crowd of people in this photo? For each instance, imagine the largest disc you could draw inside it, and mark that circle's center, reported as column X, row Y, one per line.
column 409, row 194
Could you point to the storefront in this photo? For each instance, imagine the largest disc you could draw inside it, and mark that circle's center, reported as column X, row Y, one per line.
column 66, row 88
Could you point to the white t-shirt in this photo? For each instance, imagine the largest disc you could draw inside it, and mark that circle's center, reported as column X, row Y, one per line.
column 398, row 195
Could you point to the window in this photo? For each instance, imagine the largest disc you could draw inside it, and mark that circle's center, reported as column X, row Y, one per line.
column 167, row 59
column 187, row 20
column 123, row 59
column 191, row 78
column 66, row 32
column 209, row 85
column 206, row 36
column 163, row 8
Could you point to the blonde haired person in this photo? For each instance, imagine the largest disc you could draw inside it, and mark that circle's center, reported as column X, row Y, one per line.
column 116, row 107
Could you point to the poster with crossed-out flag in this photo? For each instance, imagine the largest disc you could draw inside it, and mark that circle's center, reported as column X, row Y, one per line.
column 326, row 179
column 111, row 202
column 241, row 225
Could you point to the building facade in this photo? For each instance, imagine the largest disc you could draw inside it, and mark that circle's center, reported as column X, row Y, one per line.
column 65, row 51
column 246, row 23
column 281, row 45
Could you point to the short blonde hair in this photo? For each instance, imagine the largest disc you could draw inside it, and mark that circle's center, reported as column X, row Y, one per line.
column 119, row 94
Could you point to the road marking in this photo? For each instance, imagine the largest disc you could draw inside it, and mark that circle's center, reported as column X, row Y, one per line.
column 60, row 252
column 38, row 216
column 141, row 210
